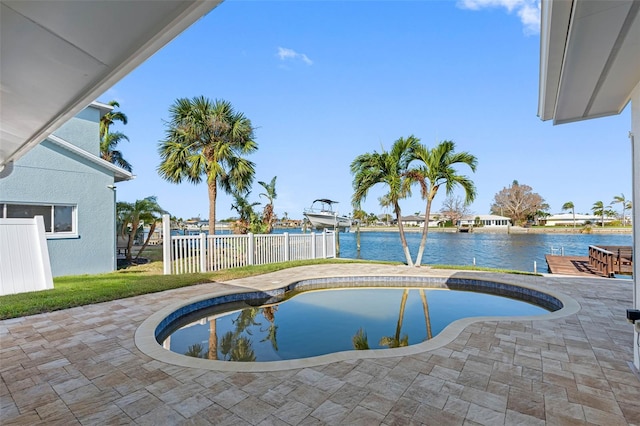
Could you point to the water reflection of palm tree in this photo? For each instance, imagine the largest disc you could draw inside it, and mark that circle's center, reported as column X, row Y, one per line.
column 360, row 341
column 425, row 308
column 194, row 350
column 268, row 312
column 234, row 346
column 213, row 340
column 243, row 351
column 396, row 341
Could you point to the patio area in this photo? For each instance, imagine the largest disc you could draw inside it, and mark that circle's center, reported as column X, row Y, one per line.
column 82, row 366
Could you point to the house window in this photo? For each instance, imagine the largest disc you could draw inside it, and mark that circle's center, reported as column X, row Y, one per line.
column 59, row 219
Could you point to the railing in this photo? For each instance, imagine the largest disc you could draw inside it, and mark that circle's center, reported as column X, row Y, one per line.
column 611, row 260
column 202, row 253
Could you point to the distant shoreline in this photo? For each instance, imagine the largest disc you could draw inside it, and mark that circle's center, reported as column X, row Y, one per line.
column 510, row 230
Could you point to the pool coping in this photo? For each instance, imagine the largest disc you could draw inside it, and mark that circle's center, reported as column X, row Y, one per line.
column 145, row 335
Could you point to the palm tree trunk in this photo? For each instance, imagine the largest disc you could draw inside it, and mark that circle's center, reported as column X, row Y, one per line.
column 132, row 236
column 152, row 228
column 403, row 304
column 213, row 192
column 425, row 231
column 403, row 239
column 213, row 340
column 425, row 307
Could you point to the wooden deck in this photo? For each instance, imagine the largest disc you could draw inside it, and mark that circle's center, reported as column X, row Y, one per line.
column 571, row 265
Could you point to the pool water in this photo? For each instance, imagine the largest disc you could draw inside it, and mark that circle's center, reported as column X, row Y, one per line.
column 314, row 323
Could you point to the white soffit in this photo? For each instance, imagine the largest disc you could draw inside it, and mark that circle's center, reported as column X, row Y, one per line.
column 590, row 58
column 58, row 56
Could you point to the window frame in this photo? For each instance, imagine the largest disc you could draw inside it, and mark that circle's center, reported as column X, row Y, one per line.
column 50, row 235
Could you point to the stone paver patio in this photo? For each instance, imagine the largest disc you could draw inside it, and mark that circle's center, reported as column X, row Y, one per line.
column 82, row 366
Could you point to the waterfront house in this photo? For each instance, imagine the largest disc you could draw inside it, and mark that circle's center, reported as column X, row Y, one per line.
column 64, row 180
column 418, row 220
column 412, row 220
column 485, row 220
column 567, row 219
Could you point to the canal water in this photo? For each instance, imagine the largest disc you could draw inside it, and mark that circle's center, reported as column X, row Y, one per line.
column 505, row 251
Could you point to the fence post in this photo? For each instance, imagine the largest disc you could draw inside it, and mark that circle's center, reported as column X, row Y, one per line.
column 203, row 252
column 313, row 245
column 336, row 244
column 324, row 243
column 252, row 248
column 166, row 244
column 287, row 255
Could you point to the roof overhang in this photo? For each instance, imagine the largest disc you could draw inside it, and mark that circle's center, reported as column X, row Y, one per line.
column 119, row 174
column 589, row 58
column 59, row 56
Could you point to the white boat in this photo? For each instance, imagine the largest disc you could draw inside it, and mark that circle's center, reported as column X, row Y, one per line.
column 321, row 215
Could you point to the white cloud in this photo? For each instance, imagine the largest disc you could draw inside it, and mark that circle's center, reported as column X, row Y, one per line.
column 527, row 10
column 290, row 54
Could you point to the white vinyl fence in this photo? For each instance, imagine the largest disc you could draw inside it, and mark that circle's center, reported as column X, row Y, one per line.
column 24, row 256
column 206, row 253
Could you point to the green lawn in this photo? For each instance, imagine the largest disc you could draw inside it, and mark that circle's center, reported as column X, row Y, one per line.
column 82, row 290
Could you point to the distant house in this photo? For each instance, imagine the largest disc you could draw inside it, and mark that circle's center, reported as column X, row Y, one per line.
column 412, row 220
column 418, row 220
column 485, row 220
column 64, row 180
column 566, row 219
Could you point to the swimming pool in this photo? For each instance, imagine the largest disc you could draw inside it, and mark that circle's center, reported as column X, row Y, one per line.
column 265, row 310
column 319, row 322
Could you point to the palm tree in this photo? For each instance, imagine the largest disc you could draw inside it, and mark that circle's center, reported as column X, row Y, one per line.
column 194, row 350
column 132, row 215
column 212, row 353
column 359, row 216
column 270, row 194
column 248, row 220
column 109, row 152
column 360, row 341
column 396, row 341
column 569, row 206
column 599, row 209
column 387, row 168
column 109, row 140
column 425, row 308
column 233, row 345
column 242, row 350
column 622, row 200
column 269, row 313
column 110, row 118
column 207, row 140
column 437, row 169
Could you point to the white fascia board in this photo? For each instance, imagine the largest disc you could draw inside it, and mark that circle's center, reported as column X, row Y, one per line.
column 119, row 173
column 554, row 32
column 102, row 107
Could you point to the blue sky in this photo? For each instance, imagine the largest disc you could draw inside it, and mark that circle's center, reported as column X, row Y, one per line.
column 324, row 82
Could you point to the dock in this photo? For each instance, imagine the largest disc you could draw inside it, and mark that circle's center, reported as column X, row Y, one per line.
column 603, row 261
column 571, row 265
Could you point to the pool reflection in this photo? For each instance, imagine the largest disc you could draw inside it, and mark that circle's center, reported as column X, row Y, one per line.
column 314, row 323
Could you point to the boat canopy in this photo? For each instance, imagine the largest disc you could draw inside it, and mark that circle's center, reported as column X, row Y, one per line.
column 324, row 200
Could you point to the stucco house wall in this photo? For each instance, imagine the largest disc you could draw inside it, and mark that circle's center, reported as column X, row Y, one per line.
column 83, row 130
column 54, row 174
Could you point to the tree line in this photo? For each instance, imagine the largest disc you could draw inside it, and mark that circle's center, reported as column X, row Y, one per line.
column 208, row 141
